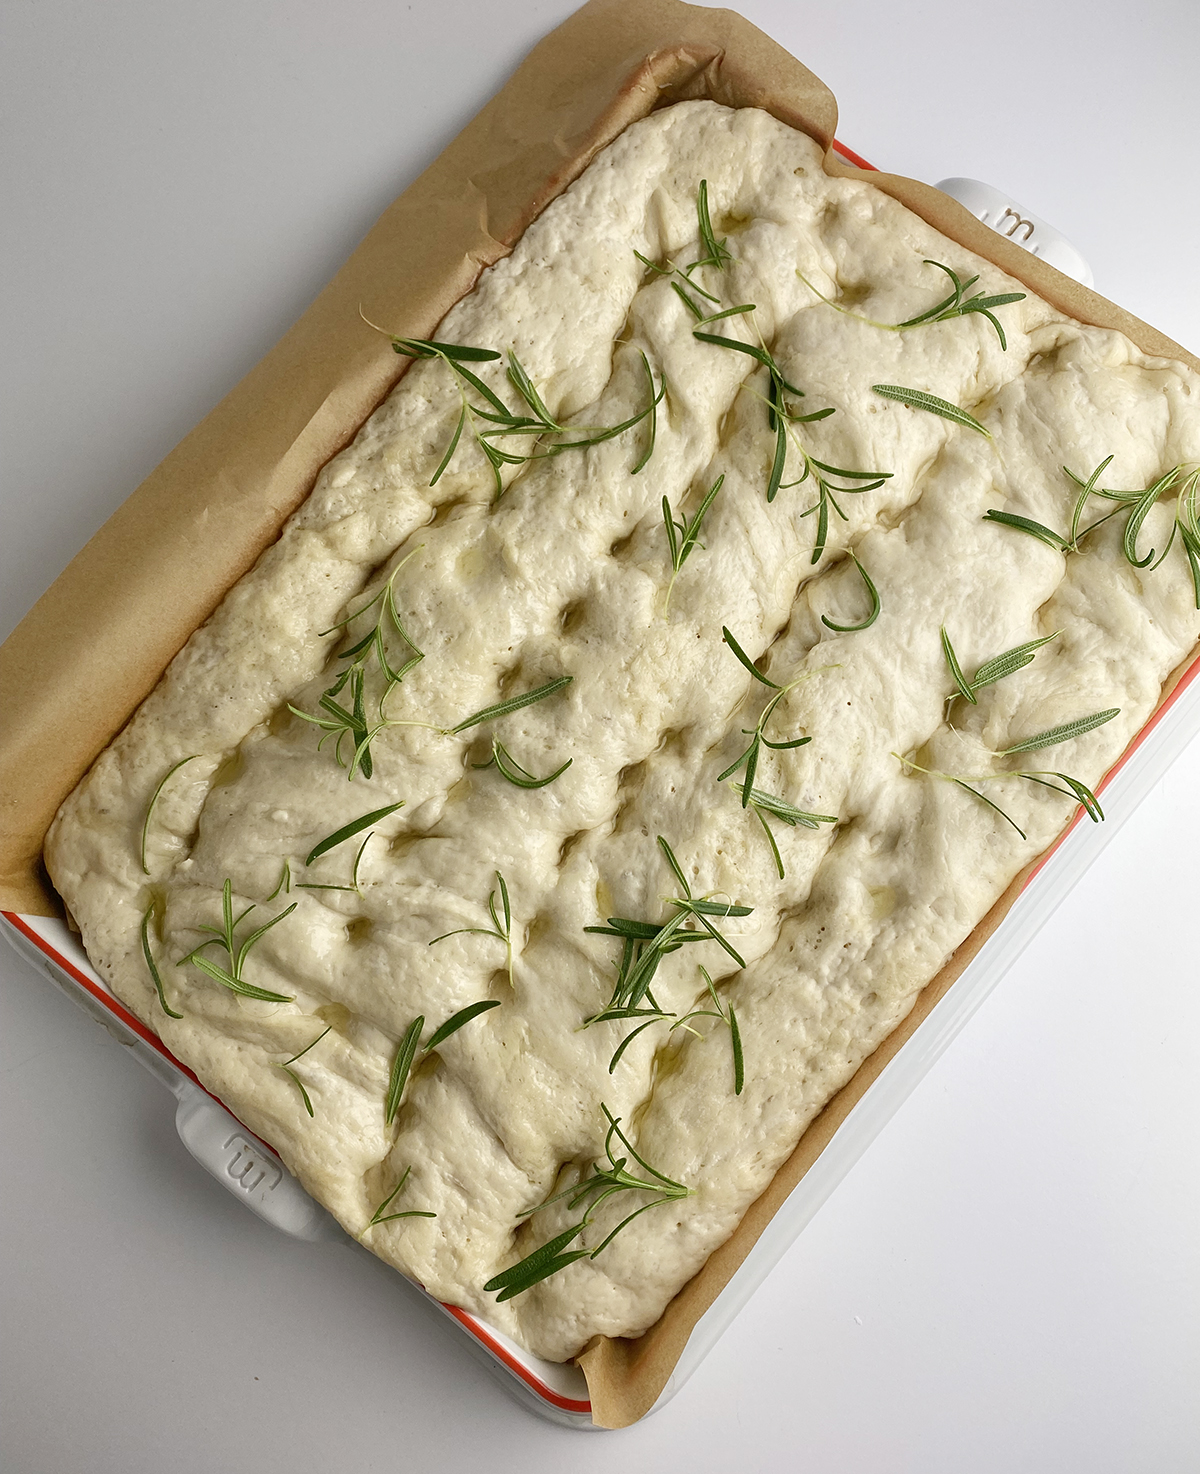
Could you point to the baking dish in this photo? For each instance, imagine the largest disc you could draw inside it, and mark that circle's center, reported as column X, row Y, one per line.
column 708, row 1318
column 252, row 1172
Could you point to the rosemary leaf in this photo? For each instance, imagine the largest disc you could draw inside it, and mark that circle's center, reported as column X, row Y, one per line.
column 154, row 799
column 148, row 954
column 348, row 831
column 378, row 1216
column 405, row 1053
column 1063, row 733
column 919, row 399
column 508, row 767
column 1044, row 534
column 514, row 703
column 745, row 659
column 457, row 1020
column 956, row 671
column 873, row 594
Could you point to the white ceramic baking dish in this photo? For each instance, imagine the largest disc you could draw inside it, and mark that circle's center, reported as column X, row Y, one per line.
column 252, row 1172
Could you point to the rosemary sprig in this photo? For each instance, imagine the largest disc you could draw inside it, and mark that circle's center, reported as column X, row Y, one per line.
column 513, row 703
column 780, row 420
column 919, row 399
column 605, row 1180
column 148, row 954
column 957, row 304
column 757, row 736
column 174, row 768
column 406, row 1050
column 348, row 831
column 237, row 952
column 1074, row 788
column 991, row 671
column 684, row 536
column 644, row 944
column 508, row 767
column 873, row 595
column 352, row 721
column 381, row 1214
column 716, row 253
column 503, row 932
column 287, row 1064
column 727, row 1016
column 762, row 804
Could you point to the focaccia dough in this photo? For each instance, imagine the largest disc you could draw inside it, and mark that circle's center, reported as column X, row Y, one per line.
column 566, row 574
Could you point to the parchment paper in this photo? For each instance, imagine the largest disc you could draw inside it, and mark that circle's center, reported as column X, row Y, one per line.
column 97, row 641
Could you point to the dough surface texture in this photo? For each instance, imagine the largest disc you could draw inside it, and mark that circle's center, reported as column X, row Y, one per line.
column 566, row 574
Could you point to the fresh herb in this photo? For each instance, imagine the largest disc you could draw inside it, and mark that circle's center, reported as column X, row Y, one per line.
column 684, row 536
column 535, row 421
column 957, row 304
column 645, row 944
column 381, row 1215
column 919, row 399
column 457, row 1020
column 757, row 736
column 727, row 1016
column 762, row 804
column 1073, row 788
column 1189, row 529
column 148, row 954
column 154, row 799
column 873, row 594
column 1063, row 733
column 406, row 1050
column 352, row 721
column 508, row 767
column 513, row 703
column 224, row 936
column 605, row 1180
column 501, row 933
column 310, row 885
column 994, row 670
column 348, row 831
column 716, row 253
column 287, row 1064
column 1044, row 534
column 285, row 881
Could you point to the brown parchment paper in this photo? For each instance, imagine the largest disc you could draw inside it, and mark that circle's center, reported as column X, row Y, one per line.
column 110, row 624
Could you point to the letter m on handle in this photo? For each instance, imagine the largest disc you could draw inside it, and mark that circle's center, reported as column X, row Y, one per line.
column 1017, row 222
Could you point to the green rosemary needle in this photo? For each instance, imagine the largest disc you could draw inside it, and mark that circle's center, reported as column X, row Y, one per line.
column 406, row 1050
column 348, row 831
column 873, row 595
column 1044, row 534
column 508, row 767
column 997, row 669
column 237, row 951
column 381, row 1215
column 1063, row 733
column 644, row 944
column 919, row 399
column 148, row 954
column 717, row 1012
column 513, row 703
column 285, row 881
column 175, row 767
column 287, row 1064
column 605, row 1180
column 502, row 933
column 684, row 536
column 957, row 304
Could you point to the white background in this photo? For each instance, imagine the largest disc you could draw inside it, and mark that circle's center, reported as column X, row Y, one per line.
column 1010, row 1279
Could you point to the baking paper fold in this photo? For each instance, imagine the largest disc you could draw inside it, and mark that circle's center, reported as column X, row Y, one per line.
column 95, row 644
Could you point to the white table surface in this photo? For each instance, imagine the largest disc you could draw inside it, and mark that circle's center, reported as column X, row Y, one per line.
column 1010, row 1278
